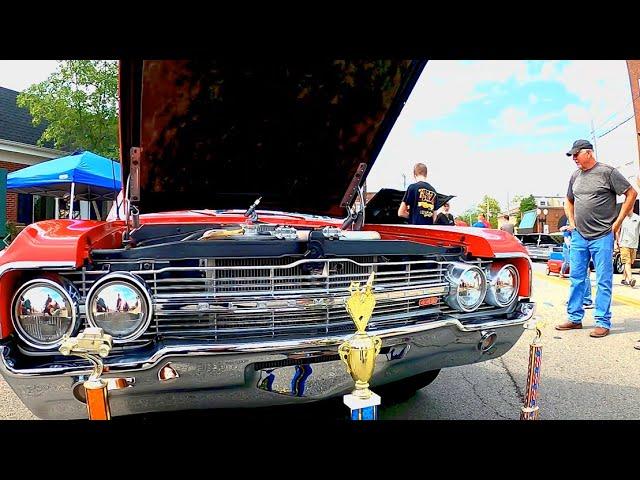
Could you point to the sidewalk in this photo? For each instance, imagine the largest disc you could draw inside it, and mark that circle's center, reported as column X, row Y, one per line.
column 621, row 293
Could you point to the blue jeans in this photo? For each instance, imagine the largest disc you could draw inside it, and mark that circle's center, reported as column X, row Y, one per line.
column 601, row 252
column 566, row 262
column 566, row 250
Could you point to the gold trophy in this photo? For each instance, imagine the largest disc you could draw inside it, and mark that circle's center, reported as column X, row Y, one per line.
column 360, row 351
column 92, row 344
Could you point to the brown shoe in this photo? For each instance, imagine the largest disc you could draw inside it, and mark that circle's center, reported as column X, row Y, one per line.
column 599, row 332
column 569, row 326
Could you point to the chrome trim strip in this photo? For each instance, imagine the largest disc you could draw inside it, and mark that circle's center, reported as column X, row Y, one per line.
column 290, row 302
column 526, row 311
column 26, row 265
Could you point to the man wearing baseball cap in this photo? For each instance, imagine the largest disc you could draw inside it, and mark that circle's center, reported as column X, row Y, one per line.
column 591, row 210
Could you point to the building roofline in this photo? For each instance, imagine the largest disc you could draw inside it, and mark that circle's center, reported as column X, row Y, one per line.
column 25, row 148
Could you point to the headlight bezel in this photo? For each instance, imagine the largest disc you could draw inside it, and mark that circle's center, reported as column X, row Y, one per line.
column 66, row 290
column 454, row 274
column 131, row 281
column 492, row 297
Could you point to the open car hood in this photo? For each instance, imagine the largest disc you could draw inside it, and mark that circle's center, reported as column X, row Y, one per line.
column 383, row 207
column 220, row 134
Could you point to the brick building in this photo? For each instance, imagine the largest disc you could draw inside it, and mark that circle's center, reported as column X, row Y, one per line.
column 19, row 149
column 633, row 66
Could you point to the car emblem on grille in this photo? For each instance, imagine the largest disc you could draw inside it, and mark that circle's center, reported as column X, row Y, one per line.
column 425, row 302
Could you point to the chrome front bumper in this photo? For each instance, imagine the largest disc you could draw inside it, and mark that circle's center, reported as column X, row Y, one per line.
column 256, row 374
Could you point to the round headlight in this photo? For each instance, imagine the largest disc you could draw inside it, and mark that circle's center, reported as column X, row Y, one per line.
column 503, row 286
column 42, row 313
column 121, row 305
column 468, row 287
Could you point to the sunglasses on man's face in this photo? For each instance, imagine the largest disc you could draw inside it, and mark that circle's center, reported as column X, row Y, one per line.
column 577, row 154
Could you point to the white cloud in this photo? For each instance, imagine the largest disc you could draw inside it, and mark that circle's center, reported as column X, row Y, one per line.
column 518, row 122
column 550, row 70
column 462, row 165
column 577, row 114
column 458, row 167
column 603, row 84
column 445, row 85
column 533, row 99
column 20, row 74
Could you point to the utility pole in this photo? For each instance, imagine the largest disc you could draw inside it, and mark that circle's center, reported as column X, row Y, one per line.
column 593, row 136
column 404, row 181
column 488, row 218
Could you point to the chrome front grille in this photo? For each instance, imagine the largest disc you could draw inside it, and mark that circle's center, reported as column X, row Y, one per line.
column 277, row 297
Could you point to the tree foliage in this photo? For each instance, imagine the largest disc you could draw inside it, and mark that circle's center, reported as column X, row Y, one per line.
column 79, row 102
column 491, row 209
column 469, row 216
column 527, row 204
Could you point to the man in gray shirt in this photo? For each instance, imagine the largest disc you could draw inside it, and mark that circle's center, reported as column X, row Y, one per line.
column 591, row 211
column 507, row 226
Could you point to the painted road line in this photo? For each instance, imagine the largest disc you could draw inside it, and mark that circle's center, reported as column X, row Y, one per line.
column 616, row 296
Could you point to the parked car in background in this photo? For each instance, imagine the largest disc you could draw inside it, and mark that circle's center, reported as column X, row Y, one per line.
column 540, row 245
column 225, row 284
column 618, row 266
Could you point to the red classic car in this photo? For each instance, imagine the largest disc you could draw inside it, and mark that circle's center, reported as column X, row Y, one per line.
column 224, row 284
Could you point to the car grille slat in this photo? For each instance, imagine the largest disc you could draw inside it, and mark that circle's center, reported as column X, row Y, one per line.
column 276, row 297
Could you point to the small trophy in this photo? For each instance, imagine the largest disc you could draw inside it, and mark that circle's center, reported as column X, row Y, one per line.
column 92, row 344
column 530, row 407
column 360, row 351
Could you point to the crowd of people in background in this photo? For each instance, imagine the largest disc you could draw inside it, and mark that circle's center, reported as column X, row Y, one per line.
column 419, row 204
column 593, row 228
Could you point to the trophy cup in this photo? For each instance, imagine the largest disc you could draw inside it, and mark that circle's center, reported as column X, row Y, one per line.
column 360, row 351
column 91, row 344
column 530, row 408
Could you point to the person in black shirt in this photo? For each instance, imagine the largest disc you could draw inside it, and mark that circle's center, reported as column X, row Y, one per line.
column 444, row 217
column 418, row 204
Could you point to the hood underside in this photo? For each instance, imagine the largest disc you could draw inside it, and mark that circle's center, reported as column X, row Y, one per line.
column 220, row 134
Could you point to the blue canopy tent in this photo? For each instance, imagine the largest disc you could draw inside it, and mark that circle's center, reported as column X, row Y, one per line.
column 84, row 176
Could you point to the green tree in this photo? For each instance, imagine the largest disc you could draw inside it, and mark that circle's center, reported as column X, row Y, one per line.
column 470, row 215
column 79, row 102
column 491, row 209
column 527, row 204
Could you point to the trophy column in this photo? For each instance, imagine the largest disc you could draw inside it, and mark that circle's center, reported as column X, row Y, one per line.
column 530, row 408
column 92, row 344
column 359, row 353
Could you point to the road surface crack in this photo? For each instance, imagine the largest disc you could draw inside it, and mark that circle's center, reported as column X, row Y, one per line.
column 482, row 400
column 513, row 380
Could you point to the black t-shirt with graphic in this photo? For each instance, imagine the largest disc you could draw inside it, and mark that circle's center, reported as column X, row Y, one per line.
column 420, row 198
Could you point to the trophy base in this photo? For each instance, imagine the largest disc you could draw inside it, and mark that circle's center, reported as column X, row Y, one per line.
column 529, row 413
column 363, row 409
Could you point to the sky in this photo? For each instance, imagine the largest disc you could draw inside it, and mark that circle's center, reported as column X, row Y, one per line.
column 502, row 128
column 20, row 74
column 499, row 128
